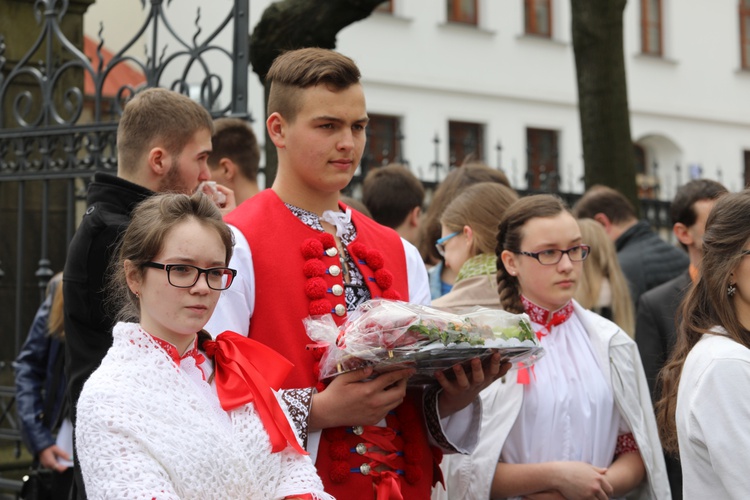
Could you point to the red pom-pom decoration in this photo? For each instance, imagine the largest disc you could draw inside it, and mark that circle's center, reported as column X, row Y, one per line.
column 316, row 368
column 384, row 278
column 391, row 294
column 320, row 386
column 412, row 452
column 315, row 288
column 317, row 353
column 314, row 268
column 358, row 250
column 327, row 240
column 312, row 248
column 339, row 450
column 334, row 434
column 339, row 472
column 320, row 307
column 375, row 260
column 412, row 473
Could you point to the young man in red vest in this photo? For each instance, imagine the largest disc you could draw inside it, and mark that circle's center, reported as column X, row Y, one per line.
column 300, row 252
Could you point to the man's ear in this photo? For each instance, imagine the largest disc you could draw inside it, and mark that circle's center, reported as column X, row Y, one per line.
column 229, row 168
column 276, row 126
column 603, row 220
column 509, row 261
column 414, row 216
column 158, row 161
column 680, row 230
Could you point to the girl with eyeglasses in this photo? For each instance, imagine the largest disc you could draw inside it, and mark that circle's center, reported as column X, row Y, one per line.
column 170, row 412
column 704, row 409
column 579, row 422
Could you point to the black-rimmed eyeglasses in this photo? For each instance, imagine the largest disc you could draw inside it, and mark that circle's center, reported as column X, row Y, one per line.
column 552, row 256
column 186, row 276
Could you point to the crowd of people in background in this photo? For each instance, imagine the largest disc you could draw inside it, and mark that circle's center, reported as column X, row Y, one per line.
column 178, row 365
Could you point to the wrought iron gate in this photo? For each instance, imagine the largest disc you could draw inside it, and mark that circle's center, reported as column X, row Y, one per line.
column 56, row 130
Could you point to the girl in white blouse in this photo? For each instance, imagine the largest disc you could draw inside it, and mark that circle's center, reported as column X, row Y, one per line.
column 704, row 408
column 579, row 422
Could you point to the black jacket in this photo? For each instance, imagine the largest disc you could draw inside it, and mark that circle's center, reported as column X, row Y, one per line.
column 88, row 325
column 647, row 260
column 655, row 334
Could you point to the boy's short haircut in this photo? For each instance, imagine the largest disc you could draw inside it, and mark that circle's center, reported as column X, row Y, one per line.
column 390, row 193
column 299, row 69
column 158, row 117
column 682, row 208
column 234, row 139
column 599, row 199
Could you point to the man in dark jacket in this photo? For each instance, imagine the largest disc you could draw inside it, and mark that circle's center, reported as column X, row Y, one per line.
column 646, row 260
column 163, row 141
column 658, row 308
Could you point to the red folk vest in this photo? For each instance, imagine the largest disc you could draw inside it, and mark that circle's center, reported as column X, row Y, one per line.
column 294, row 278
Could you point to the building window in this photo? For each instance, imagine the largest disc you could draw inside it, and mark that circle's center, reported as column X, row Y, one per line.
column 386, row 7
column 745, row 32
column 746, row 157
column 465, row 140
column 538, row 15
column 383, row 141
column 462, row 11
column 651, row 27
column 541, row 150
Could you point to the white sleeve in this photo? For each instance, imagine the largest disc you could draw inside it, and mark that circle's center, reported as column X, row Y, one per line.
column 717, row 423
column 236, row 304
column 419, row 283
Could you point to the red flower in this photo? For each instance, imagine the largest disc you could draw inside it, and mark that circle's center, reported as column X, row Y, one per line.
column 312, row 248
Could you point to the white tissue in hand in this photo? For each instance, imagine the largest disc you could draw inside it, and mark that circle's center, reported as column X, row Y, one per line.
column 209, row 188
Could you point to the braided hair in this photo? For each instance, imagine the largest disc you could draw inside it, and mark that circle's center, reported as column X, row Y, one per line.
column 510, row 235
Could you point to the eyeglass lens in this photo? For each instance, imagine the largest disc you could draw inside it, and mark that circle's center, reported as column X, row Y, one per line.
column 218, row 278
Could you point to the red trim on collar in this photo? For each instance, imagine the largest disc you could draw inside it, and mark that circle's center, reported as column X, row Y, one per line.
column 546, row 318
column 172, row 350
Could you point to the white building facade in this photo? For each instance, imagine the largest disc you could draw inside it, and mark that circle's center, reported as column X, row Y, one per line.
column 496, row 78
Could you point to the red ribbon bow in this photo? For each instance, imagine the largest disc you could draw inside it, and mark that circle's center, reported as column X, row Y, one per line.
column 248, row 371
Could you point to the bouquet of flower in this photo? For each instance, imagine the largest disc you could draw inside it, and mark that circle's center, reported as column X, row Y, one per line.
column 390, row 335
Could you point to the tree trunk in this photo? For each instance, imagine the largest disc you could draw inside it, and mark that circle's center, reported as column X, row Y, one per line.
column 294, row 24
column 608, row 154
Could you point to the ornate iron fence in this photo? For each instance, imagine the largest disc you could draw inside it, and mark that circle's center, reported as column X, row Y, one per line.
column 54, row 135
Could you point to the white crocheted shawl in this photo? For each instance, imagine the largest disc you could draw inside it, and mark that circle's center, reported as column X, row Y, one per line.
column 147, row 428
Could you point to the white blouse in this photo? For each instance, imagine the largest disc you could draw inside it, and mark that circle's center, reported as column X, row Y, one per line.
column 568, row 410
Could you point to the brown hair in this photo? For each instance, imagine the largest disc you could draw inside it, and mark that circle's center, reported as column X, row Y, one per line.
column 480, row 207
column 682, row 208
column 391, row 192
column 509, row 236
column 455, row 182
column 602, row 264
column 707, row 304
column 157, row 117
column 605, row 200
column 151, row 224
column 234, row 139
column 296, row 70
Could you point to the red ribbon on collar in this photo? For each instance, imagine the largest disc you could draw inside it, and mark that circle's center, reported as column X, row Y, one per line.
column 248, row 371
column 548, row 320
